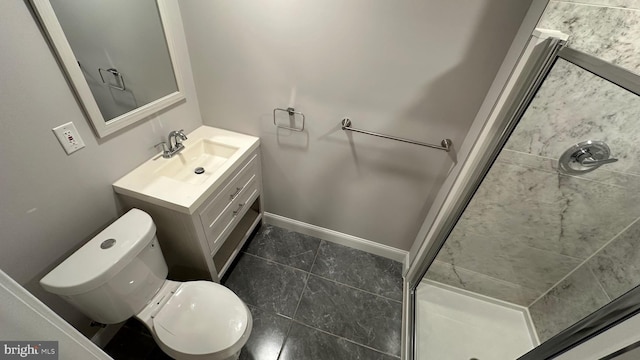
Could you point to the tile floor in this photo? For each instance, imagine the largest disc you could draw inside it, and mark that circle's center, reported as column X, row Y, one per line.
column 310, row 299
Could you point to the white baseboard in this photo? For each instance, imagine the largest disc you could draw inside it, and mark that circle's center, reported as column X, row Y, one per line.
column 105, row 334
column 337, row 237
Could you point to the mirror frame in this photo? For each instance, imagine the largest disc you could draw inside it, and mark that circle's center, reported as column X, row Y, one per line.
column 67, row 59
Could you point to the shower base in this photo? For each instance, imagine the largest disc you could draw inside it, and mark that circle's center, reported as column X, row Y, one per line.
column 452, row 323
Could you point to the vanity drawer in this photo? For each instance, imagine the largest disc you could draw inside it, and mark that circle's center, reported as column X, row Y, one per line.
column 218, row 214
column 231, row 215
column 212, row 212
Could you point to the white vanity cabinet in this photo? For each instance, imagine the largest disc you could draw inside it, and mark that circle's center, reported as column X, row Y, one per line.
column 201, row 236
column 236, row 206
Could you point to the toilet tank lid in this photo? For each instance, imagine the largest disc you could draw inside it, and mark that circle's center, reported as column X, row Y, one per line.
column 97, row 261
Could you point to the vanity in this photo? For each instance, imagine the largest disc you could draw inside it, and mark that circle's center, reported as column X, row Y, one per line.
column 205, row 201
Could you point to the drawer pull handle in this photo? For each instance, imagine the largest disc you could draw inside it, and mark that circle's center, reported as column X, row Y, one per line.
column 235, row 212
column 238, row 189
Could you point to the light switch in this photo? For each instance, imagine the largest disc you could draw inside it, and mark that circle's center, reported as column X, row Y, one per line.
column 69, row 137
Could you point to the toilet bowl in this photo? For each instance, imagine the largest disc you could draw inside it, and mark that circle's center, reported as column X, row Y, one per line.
column 191, row 326
column 121, row 273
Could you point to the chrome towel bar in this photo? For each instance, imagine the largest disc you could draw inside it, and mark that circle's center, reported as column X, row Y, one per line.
column 444, row 145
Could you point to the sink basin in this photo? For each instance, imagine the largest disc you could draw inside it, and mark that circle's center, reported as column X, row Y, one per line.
column 205, row 154
column 173, row 183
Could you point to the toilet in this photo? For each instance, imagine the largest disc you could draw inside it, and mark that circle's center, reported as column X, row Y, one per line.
column 121, row 273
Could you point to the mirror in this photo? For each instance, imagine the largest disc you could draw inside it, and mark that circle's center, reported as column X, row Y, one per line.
column 117, row 54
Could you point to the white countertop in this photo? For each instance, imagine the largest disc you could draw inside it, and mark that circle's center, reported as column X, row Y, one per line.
column 146, row 183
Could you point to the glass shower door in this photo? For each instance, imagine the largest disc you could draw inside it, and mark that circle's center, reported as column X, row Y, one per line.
column 541, row 244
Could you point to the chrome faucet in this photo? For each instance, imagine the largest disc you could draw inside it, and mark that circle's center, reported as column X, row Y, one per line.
column 173, row 145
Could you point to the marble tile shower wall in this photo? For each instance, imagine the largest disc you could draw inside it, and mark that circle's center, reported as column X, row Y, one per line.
column 608, row 274
column 561, row 245
column 608, row 29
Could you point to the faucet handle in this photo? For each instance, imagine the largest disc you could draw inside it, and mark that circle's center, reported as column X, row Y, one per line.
column 589, row 162
column 163, row 145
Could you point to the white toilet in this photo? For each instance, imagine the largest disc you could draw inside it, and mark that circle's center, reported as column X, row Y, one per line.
column 121, row 273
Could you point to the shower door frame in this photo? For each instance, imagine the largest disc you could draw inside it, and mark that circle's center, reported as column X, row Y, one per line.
column 536, row 69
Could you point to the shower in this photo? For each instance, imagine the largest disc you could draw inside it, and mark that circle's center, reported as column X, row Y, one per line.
column 537, row 251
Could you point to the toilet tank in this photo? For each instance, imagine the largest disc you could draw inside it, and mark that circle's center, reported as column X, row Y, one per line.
column 115, row 274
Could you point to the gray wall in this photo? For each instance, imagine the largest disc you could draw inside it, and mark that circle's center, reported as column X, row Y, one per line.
column 53, row 203
column 562, row 245
column 412, row 69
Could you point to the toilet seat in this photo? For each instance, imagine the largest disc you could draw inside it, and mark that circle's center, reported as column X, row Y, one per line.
column 202, row 320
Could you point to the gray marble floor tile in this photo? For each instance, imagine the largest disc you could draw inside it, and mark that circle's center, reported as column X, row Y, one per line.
column 284, row 246
column 157, row 354
column 267, row 285
column 306, row 343
column 359, row 269
column 446, row 273
column 617, row 266
column 129, row 344
column 359, row 316
column 267, row 336
column 574, row 298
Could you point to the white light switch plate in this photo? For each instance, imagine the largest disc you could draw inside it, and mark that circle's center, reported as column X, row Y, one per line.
column 69, row 137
